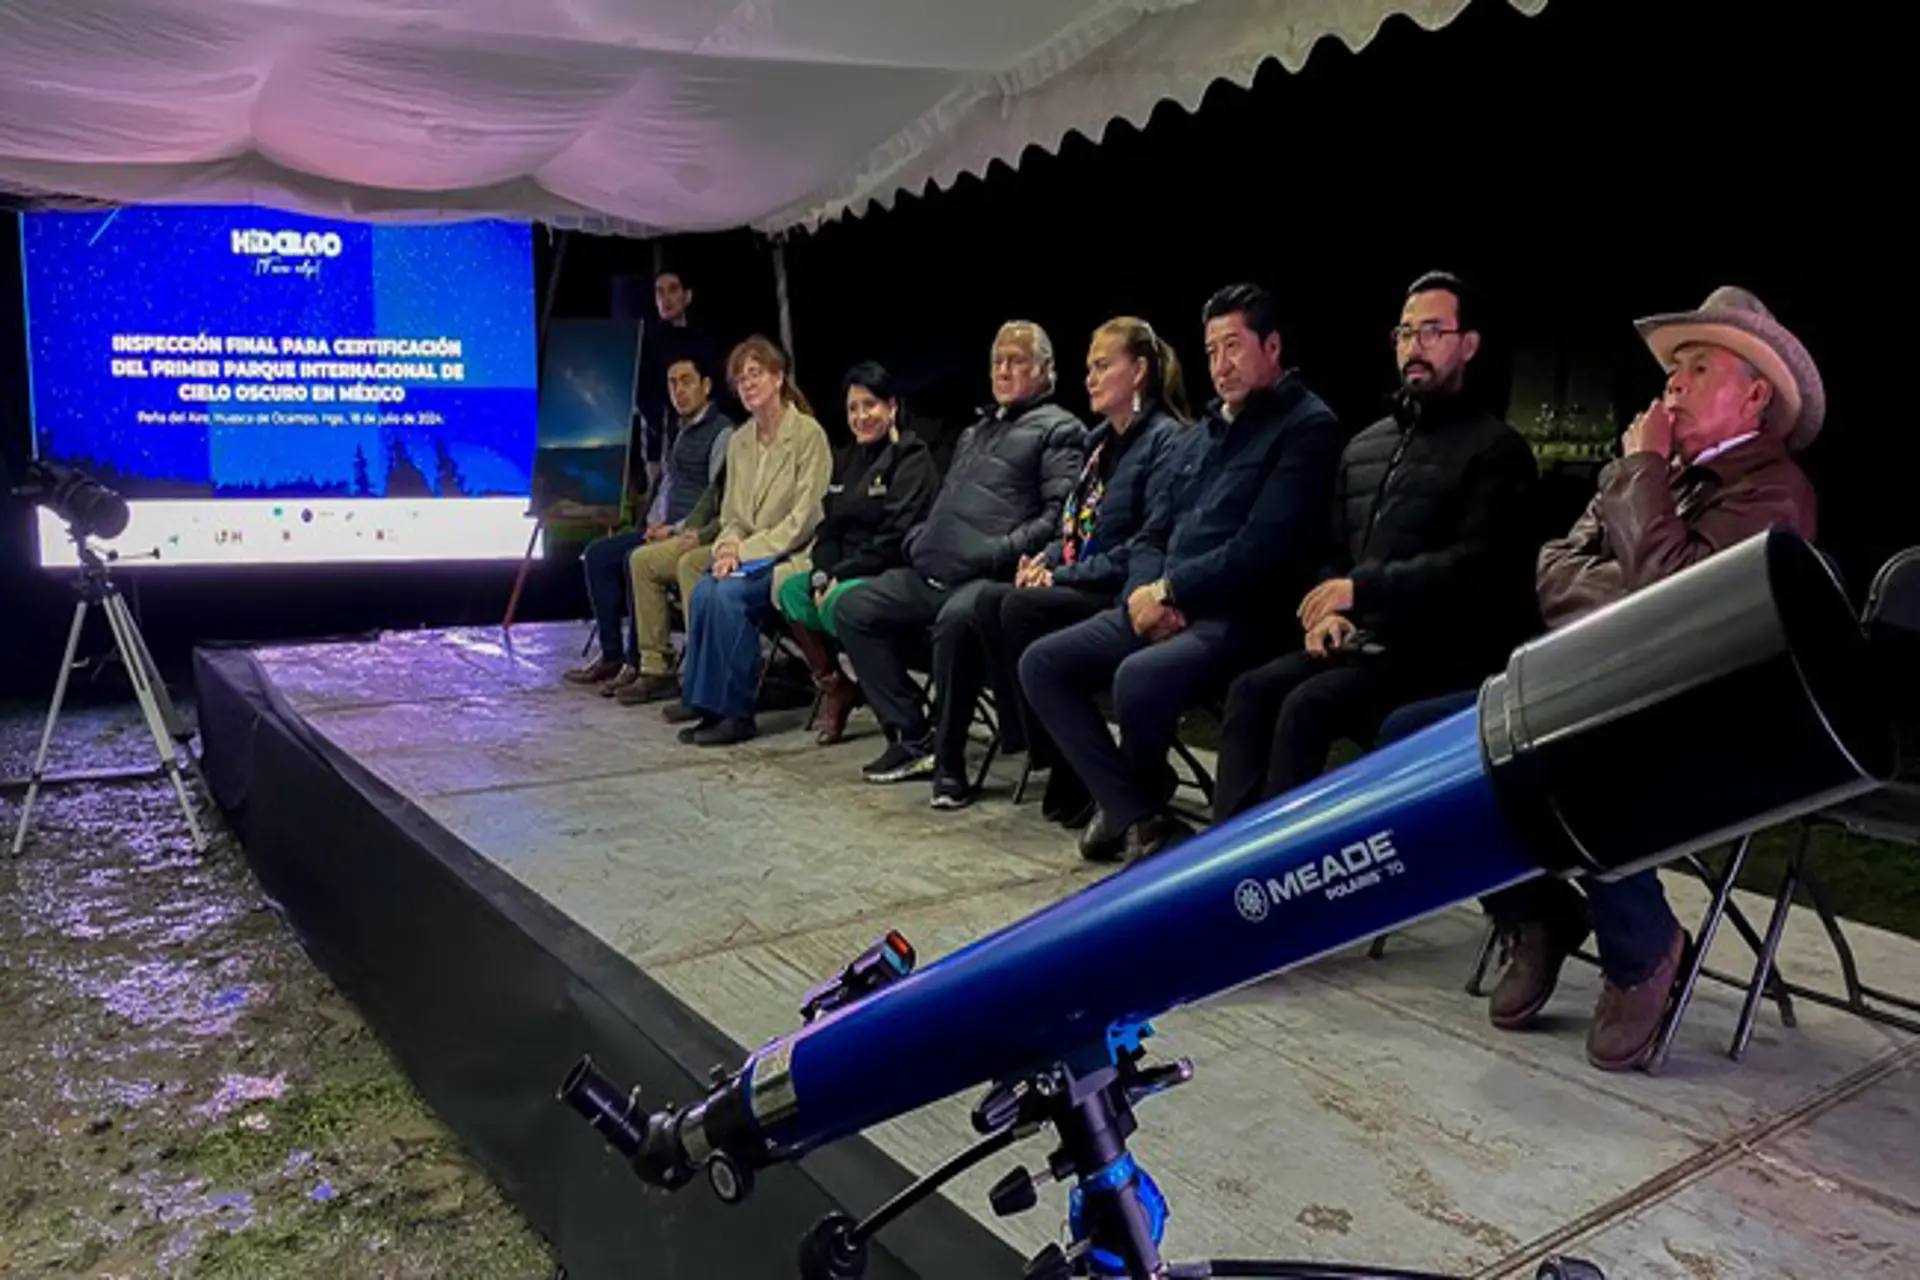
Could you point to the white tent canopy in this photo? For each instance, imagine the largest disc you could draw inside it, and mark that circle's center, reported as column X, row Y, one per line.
column 634, row 116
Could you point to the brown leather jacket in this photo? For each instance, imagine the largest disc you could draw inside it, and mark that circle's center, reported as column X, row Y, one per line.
column 1649, row 521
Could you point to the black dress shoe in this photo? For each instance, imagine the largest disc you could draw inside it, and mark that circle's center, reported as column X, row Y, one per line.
column 723, row 733
column 688, row 735
column 681, row 713
column 1098, row 844
column 1153, row 835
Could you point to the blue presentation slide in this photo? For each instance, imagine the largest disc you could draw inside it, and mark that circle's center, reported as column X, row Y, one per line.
column 247, row 354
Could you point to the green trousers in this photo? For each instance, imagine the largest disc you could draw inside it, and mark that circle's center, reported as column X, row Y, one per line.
column 796, row 603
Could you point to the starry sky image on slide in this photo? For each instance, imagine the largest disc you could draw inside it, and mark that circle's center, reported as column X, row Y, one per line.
column 179, row 271
column 586, row 410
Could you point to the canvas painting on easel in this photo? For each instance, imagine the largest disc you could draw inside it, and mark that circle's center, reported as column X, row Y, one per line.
column 586, row 419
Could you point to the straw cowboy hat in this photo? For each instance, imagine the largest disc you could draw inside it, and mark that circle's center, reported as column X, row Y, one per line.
column 1735, row 319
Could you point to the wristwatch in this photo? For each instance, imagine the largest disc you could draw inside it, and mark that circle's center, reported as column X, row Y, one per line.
column 819, row 580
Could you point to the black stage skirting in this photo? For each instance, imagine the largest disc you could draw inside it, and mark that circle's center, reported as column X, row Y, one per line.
column 486, row 995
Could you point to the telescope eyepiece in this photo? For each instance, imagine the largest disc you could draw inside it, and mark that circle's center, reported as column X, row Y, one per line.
column 600, row 1101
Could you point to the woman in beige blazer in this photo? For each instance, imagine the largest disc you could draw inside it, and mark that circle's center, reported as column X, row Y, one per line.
column 777, row 474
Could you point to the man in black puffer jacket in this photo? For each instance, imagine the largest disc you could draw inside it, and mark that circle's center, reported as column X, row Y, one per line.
column 1431, row 581
column 1010, row 473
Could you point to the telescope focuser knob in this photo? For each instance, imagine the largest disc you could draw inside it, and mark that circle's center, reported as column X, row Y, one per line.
column 1015, row 1193
column 1004, row 1106
column 730, row 1179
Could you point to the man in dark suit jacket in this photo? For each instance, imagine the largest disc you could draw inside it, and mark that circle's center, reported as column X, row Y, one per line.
column 1245, row 528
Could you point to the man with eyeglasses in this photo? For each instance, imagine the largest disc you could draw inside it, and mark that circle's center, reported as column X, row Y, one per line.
column 1429, row 581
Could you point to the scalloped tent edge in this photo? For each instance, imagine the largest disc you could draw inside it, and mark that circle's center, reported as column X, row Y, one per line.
column 687, row 115
column 923, row 160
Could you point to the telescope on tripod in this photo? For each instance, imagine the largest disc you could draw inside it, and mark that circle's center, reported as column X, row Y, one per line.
column 1745, row 680
column 93, row 511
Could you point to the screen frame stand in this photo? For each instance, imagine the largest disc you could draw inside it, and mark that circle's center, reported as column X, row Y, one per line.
column 520, row 577
column 170, row 732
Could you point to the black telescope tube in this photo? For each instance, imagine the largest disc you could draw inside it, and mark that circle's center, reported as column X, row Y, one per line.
column 1724, row 693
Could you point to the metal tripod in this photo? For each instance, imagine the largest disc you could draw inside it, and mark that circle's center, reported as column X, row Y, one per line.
column 97, row 587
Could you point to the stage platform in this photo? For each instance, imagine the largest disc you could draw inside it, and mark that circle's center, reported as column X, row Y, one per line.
column 505, row 871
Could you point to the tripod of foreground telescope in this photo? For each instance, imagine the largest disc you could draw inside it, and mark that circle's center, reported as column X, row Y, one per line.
column 1728, row 698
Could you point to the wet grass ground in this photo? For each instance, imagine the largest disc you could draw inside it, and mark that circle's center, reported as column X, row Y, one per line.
column 181, row 1092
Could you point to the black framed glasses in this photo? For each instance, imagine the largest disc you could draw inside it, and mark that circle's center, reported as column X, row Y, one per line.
column 1422, row 335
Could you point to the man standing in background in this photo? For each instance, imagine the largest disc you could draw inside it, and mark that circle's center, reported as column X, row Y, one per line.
column 666, row 341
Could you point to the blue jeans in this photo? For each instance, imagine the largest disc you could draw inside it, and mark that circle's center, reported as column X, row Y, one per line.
column 1632, row 923
column 605, row 561
column 720, row 673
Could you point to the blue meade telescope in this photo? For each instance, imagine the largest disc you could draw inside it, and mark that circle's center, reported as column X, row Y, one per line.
column 1725, row 699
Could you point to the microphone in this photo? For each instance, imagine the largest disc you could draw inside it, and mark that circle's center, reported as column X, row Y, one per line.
column 1725, row 699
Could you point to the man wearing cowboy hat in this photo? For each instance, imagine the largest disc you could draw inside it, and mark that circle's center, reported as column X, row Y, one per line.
column 1706, row 466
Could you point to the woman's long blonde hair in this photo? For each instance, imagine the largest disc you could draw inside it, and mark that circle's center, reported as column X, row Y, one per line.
column 1164, row 380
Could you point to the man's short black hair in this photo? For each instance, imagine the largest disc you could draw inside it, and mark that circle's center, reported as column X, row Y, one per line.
column 1467, row 314
column 677, row 274
column 1252, row 303
column 700, row 369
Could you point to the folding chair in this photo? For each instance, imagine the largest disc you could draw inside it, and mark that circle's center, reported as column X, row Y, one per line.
column 985, row 714
column 1891, row 619
column 1196, row 778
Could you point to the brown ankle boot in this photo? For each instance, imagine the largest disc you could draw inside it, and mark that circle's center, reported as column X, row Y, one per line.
column 1627, row 1024
column 837, row 693
column 1535, row 954
column 838, row 697
column 813, row 647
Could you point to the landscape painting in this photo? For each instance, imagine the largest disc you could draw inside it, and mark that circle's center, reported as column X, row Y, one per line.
column 586, row 416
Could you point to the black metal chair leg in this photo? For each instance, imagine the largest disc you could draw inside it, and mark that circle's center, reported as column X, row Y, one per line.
column 986, row 762
column 1378, row 950
column 1765, row 972
column 1722, row 894
column 1200, row 779
column 1026, row 772
column 1477, row 981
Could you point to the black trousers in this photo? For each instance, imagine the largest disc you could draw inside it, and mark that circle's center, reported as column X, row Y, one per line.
column 1282, row 718
column 1151, row 685
column 1002, row 624
column 883, row 623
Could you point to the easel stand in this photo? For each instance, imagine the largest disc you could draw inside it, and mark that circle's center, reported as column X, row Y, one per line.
column 97, row 588
column 608, row 521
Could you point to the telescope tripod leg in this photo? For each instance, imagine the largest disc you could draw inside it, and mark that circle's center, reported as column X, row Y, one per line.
column 46, row 732
column 150, row 692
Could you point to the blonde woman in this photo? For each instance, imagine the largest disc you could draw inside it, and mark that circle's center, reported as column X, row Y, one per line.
column 1138, row 396
column 777, row 470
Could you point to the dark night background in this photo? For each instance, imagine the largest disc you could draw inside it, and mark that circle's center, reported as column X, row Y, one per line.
column 1600, row 162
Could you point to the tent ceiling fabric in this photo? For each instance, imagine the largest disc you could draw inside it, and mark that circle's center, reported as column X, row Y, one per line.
column 609, row 115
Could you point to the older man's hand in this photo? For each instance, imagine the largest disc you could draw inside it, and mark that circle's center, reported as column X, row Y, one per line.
column 1335, row 595
column 1651, row 432
column 1330, row 633
column 1171, row 623
column 1145, row 609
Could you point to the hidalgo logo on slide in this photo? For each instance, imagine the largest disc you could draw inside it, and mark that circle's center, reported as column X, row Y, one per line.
column 1356, row 866
column 287, row 244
